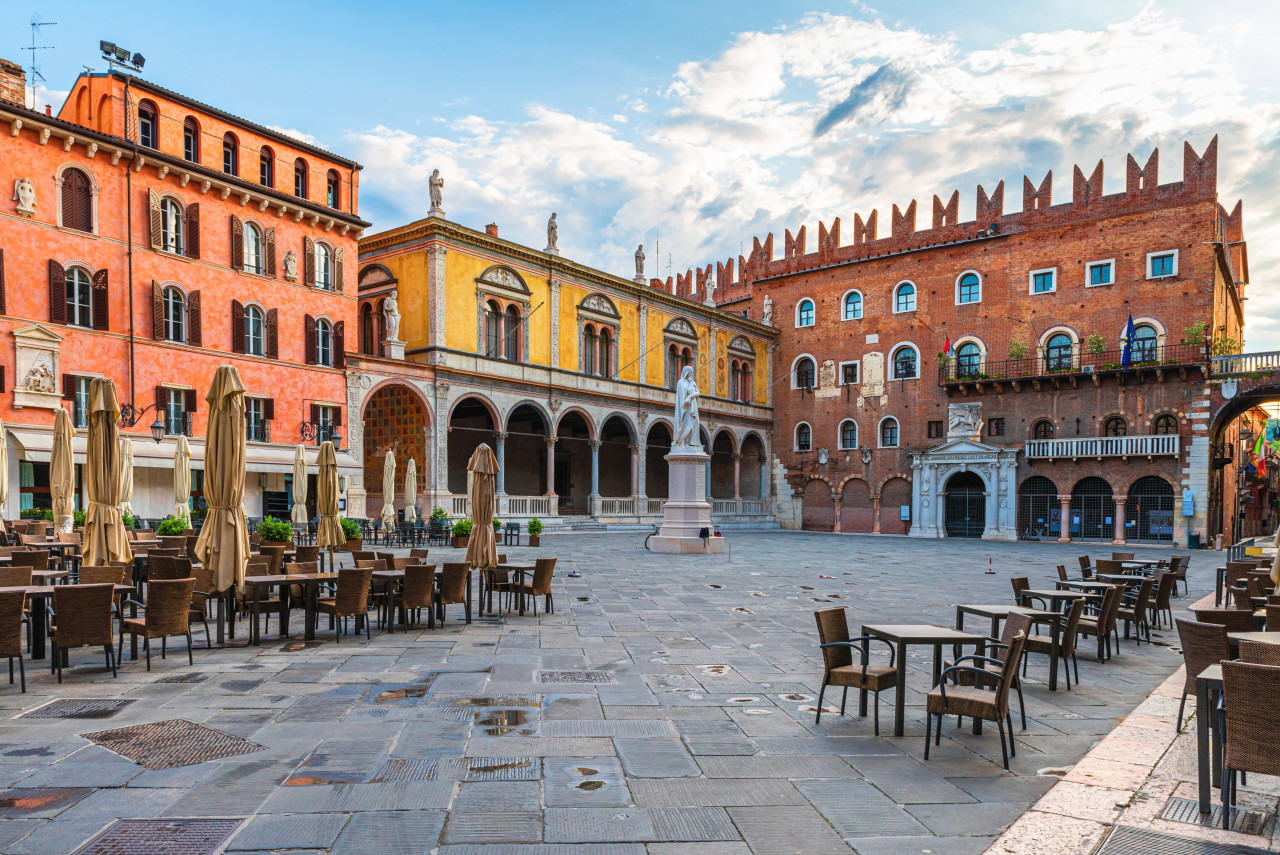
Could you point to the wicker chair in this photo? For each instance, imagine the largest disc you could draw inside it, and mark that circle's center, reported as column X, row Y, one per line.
column 306, row 554
column 1250, row 694
column 261, row 565
column 539, row 586
column 1163, row 602
column 1260, row 653
column 1062, row 573
column 159, row 567
column 71, row 557
column 1273, row 617
column 1203, row 644
column 1110, row 566
column 975, row 701
column 417, row 554
column 1235, row 620
column 36, row 559
column 1136, row 609
column 1021, row 584
column 1239, row 598
column 1086, row 567
column 276, row 554
column 1122, row 556
column 1066, row 644
column 201, row 594
column 83, row 615
column 13, row 577
column 168, row 613
column 417, row 593
column 351, row 599
column 1178, row 567
column 838, row 668
column 453, row 588
column 1103, row 624
column 13, row 609
column 1013, row 625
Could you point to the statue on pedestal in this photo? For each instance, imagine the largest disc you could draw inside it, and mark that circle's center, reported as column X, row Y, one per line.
column 434, row 186
column 553, row 234
column 640, row 262
column 391, row 315
column 767, row 317
column 687, row 432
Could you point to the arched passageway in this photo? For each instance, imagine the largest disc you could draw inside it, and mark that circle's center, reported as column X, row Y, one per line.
column 1039, row 511
column 895, row 503
column 525, row 452
column 857, row 513
column 1148, row 512
column 573, row 464
column 752, row 481
column 966, row 511
column 722, row 460
column 657, row 447
column 616, row 470
column 470, row 424
column 818, row 510
column 394, row 419
column 1093, row 510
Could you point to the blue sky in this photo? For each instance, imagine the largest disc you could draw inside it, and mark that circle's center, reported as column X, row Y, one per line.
column 707, row 123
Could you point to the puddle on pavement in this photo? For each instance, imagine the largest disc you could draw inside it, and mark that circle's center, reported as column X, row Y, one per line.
column 714, row 669
column 320, row 778
column 747, row 700
column 590, row 786
column 528, row 703
column 392, row 696
column 796, row 697
column 715, row 586
column 30, row 752
column 743, row 611
column 30, row 802
column 494, row 768
column 506, row 723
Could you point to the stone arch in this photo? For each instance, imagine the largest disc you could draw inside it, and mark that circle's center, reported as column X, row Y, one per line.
column 1127, row 484
column 372, row 275
column 632, row 431
column 657, row 438
column 817, row 505
column 592, row 432
column 857, row 510
column 527, row 426
column 895, row 492
column 472, row 419
column 753, row 479
column 722, row 460
column 393, row 381
column 617, row 436
column 538, row 406
column 575, row 435
column 395, row 416
column 1039, row 509
column 494, row 411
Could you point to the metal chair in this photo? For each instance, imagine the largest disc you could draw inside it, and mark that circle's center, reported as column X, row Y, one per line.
column 838, row 668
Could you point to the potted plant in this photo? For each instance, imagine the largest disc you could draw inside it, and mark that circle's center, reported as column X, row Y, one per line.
column 171, row 527
column 274, row 532
column 439, row 514
column 129, row 522
column 351, row 531
column 535, row 531
column 497, row 527
column 78, row 518
column 461, row 533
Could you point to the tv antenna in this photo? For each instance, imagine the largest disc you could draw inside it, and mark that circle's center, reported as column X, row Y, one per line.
column 36, row 24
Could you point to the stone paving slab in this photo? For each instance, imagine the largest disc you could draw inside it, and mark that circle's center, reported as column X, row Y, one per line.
column 794, row 830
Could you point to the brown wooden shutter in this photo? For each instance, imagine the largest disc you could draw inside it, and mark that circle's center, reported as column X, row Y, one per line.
column 269, row 409
column 157, row 311
column 315, row 414
column 100, row 302
column 337, row 268
column 309, row 337
column 337, row 416
column 237, row 326
column 308, row 262
column 68, row 387
column 340, row 344
column 2, row 386
column 3, row 311
column 57, row 293
column 162, row 404
column 195, row 335
column 273, row 337
column 153, row 207
column 193, row 230
column 191, row 403
column 237, row 243
column 269, row 239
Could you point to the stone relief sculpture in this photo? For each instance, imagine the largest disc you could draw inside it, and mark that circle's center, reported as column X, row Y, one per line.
column 767, row 317
column 40, row 377
column 24, row 193
column 964, row 419
column 687, row 433
column 291, row 266
column 828, row 375
column 435, row 186
column 391, row 314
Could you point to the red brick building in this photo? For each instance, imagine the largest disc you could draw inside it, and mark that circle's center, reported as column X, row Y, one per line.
column 1036, row 415
column 150, row 239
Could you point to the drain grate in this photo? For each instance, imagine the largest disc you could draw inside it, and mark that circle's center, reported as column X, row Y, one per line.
column 79, row 708
column 598, row 677
column 36, row 801
column 167, row 744
column 161, row 837
column 1243, row 821
column 1124, row 840
column 183, row 678
column 399, row 769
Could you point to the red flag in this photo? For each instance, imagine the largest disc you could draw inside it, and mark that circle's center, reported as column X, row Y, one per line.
column 947, row 350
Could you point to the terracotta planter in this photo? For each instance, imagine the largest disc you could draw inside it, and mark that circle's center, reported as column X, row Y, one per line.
column 353, row 545
column 534, row 540
column 461, row 542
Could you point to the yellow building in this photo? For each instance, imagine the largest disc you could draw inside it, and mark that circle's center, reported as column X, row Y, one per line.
column 566, row 371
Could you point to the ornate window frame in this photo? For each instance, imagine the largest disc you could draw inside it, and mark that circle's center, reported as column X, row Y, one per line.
column 680, row 332
column 599, row 311
column 503, row 284
column 94, row 189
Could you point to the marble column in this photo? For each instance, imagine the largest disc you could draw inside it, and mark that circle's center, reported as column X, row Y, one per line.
column 500, row 441
column 737, row 477
column 641, row 493
column 595, row 469
column 836, row 505
column 764, row 479
column 635, row 470
column 1064, row 525
column 875, row 505
column 1120, row 499
column 551, row 467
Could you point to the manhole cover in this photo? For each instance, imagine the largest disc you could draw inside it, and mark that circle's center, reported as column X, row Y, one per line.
column 1125, row 840
column 600, row 677
column 182, row 678
column 79, row 708
column 28, row 802
column 166, row 744
column 401, row 769
column 161, row 837
column 1242, row 821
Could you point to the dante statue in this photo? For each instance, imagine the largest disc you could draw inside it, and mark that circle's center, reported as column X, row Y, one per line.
column 552, row 232
column 434, row 185
column 391, row 314
column 687, row 410
column 768, row 311
column 640, row 261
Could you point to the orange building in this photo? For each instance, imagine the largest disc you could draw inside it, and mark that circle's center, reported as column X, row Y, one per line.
column 151, row 238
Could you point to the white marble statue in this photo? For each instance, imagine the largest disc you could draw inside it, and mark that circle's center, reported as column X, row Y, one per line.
column 687, row 432
column 24, row 193
column 553, row 232
column 391, row 314
column 640, row 261
column 291, row 266
column 435, row 184
column 767, row 317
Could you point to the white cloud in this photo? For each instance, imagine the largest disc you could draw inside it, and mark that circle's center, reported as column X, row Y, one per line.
column 300, row 136
column 835, row 115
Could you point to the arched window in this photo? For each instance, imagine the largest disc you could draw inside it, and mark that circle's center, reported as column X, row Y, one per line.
column 253, row 332
column 906, row 363
column 324, row 342
column 300, row 175
column 804, row 373
column 324, row 267
column 605, row 362
column 368, row 343
column 1144, row 344
column 492, row 329
column 267, row 167
column 969, row 289
column 333, row 190
column 1165, row 424
column 852, row 306
column 804, row 437
column 1042, row 429
column 252, row 248
column 673, row 366
column 171, row 226
column 804, row 313
column 745, row 378
column 848, row 434
column 77, row 200
column 904, row 297
column 589, row 344
column 968, row 361
column 148, row 125
column 230, row 154
column 79, row 298
column 733, row 380
column 175, row 315
column 191, row 140
column 889, row 433
column 511, row 333
column 1115, row 426
column 1058, row 353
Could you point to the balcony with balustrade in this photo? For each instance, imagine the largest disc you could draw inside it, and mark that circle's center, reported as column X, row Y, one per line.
column 1100, row 447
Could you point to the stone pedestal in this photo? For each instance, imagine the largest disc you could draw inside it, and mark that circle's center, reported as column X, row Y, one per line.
column 393, row 349
column 436, row 212
column 687, row 512
column 551, row 250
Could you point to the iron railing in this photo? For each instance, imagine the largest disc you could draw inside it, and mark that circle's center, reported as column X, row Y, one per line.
column 1056, row 363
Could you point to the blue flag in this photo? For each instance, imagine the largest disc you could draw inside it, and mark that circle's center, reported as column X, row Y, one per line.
column 1126, row 355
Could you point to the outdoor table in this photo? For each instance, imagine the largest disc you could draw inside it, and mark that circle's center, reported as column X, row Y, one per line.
column 1122, row 578
column 1208, row 763
column 517, row 570
column 1086, row 585
column 999, row 612
column 391, row 581
column 40, row 594
column 904, row 635
column 45, row 577
column 311, row 584
column 1234, row 638
column 1057, row 597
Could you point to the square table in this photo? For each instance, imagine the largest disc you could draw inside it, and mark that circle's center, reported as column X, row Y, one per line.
column 1055, row 598
column 517, row 570
column 904, row 635
column 1208, row 763
column 1122, row 578
column 1086, row 585
column 310, row 583
column 40, row 594
column 999, row 612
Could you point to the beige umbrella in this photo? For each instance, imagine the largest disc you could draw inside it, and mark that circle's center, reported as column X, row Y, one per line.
column 329, row 534
column 126, row 476
column 482, row 547
column 410, row 491
column 105, row 540
column 389, row 490
column 224, row 539
column 62, row 473
column 182, row 480
column 4, row 474
column 300, row 485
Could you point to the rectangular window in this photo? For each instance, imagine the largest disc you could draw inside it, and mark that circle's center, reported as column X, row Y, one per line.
column 175, row 411
column 255, row 419
column 935, row 430
column 1100, row 273
column 848, row 373
column 1162, row 264
column 1044, row 281
column 189, row 145
column 80, row 403
column 328, row 421
column 995, row 427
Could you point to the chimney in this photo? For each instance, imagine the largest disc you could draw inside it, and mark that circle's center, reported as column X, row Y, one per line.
column 491, row 230
column 13, row 83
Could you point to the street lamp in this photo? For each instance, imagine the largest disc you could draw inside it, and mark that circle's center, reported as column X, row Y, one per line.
column 129, row 415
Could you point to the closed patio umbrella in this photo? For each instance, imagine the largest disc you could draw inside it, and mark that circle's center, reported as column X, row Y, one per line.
column 299, row 515
column 329, row 534
column 388, row 514
column 4, row 474
column 126, row 476
column 482, row 547
column 182, row 480
column 224, row 540
column 62, row 473
column 410, row 491
column 105, row 540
